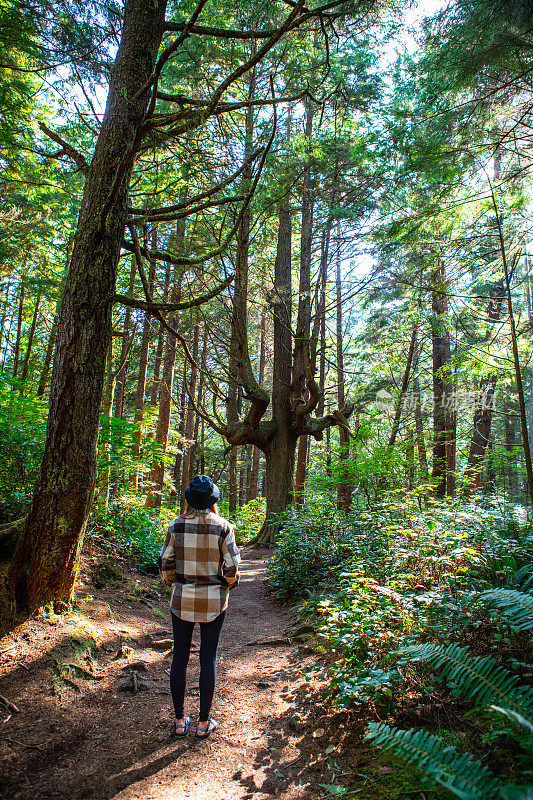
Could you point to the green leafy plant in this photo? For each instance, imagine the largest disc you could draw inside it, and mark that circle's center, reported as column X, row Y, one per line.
column 248, row 519
column 22, row 430
column 313, row 546
column 439, row 763
column 491, row 687
column 139, row 531
column 516, row 606
column 478, row 678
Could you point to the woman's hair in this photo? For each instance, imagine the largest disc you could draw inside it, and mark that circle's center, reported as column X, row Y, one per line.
column 189, row 511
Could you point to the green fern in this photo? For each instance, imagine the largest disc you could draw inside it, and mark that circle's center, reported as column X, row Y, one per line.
column 517, row 792
column 514, row 716
column 477, row 677
column 440, row 763
column 516, row 605
column 524, row 578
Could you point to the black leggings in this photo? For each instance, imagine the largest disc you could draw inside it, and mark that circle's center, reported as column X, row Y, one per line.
column 209, row 636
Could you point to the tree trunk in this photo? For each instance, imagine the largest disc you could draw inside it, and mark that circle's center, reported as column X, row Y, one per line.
column 4, row 314
column 419, row 423
column 107, row 407
column 190, row 417
column 243, row 469
column 304, row 314
column 33, row 326
column 328, row 451
column 489, row 485
column 301, row 471
column 510, row 446
column 516, row 358
column 232, row 479
column 141, row 381
column 529, row 304
column 19, row 330
column 157, row 475
column 403, row 388
column 181, row 431
column 322, row 321
column 45, row 562
column 280, row 451
column 120, row 387
column 344, row 490
column 47, row 363
column 440, row 338
column 248, row 480
column 159, row 349
column 196, row 431
column 8, row 337
column 481, row 434
column 253, row 484
column 192, row 449
column 202, row 447
column 410, row 458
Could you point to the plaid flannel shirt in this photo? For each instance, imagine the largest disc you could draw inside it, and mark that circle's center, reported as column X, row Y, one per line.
column 200, row 557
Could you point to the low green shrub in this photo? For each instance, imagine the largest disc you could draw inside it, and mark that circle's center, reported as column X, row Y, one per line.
column 312, row 548
column 395, row 574
column 140, row 531
column 22, row 432
column 247, row 519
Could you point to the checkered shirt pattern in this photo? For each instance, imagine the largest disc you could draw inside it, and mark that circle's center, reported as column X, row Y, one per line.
column 200, row 557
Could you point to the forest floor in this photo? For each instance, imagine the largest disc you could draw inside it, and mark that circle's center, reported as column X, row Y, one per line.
column 77, row 735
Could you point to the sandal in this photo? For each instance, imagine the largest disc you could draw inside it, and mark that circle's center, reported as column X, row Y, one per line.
column 212, row 725
column 177, row 724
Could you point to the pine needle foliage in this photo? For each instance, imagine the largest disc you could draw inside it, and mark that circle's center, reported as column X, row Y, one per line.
column 439, row 763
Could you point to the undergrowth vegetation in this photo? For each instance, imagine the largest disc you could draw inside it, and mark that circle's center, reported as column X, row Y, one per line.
column 419, row 605
column 141, row 532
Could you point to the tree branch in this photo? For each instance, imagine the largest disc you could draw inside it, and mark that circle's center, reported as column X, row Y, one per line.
column 191, row 262
column 146, row 290
column 314, row 426
column 159, row 120
column 172, row 216
column 197, row 198
column 154, row 306
column 66, row 149
column 221, row 33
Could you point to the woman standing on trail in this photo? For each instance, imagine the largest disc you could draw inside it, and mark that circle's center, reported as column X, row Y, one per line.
column 201, row 559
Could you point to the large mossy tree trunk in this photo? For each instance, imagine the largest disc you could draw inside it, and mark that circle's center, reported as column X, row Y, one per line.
column 45, row 562
column 281, row 449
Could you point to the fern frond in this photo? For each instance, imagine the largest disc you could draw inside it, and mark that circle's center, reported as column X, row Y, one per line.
column 517, row 793
column 524, row 578
column 514, row 716
column 516, row 605
column 477, row 677
column 442, row 764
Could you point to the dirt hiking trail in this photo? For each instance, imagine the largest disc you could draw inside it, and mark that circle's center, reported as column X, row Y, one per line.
column 78, row 735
